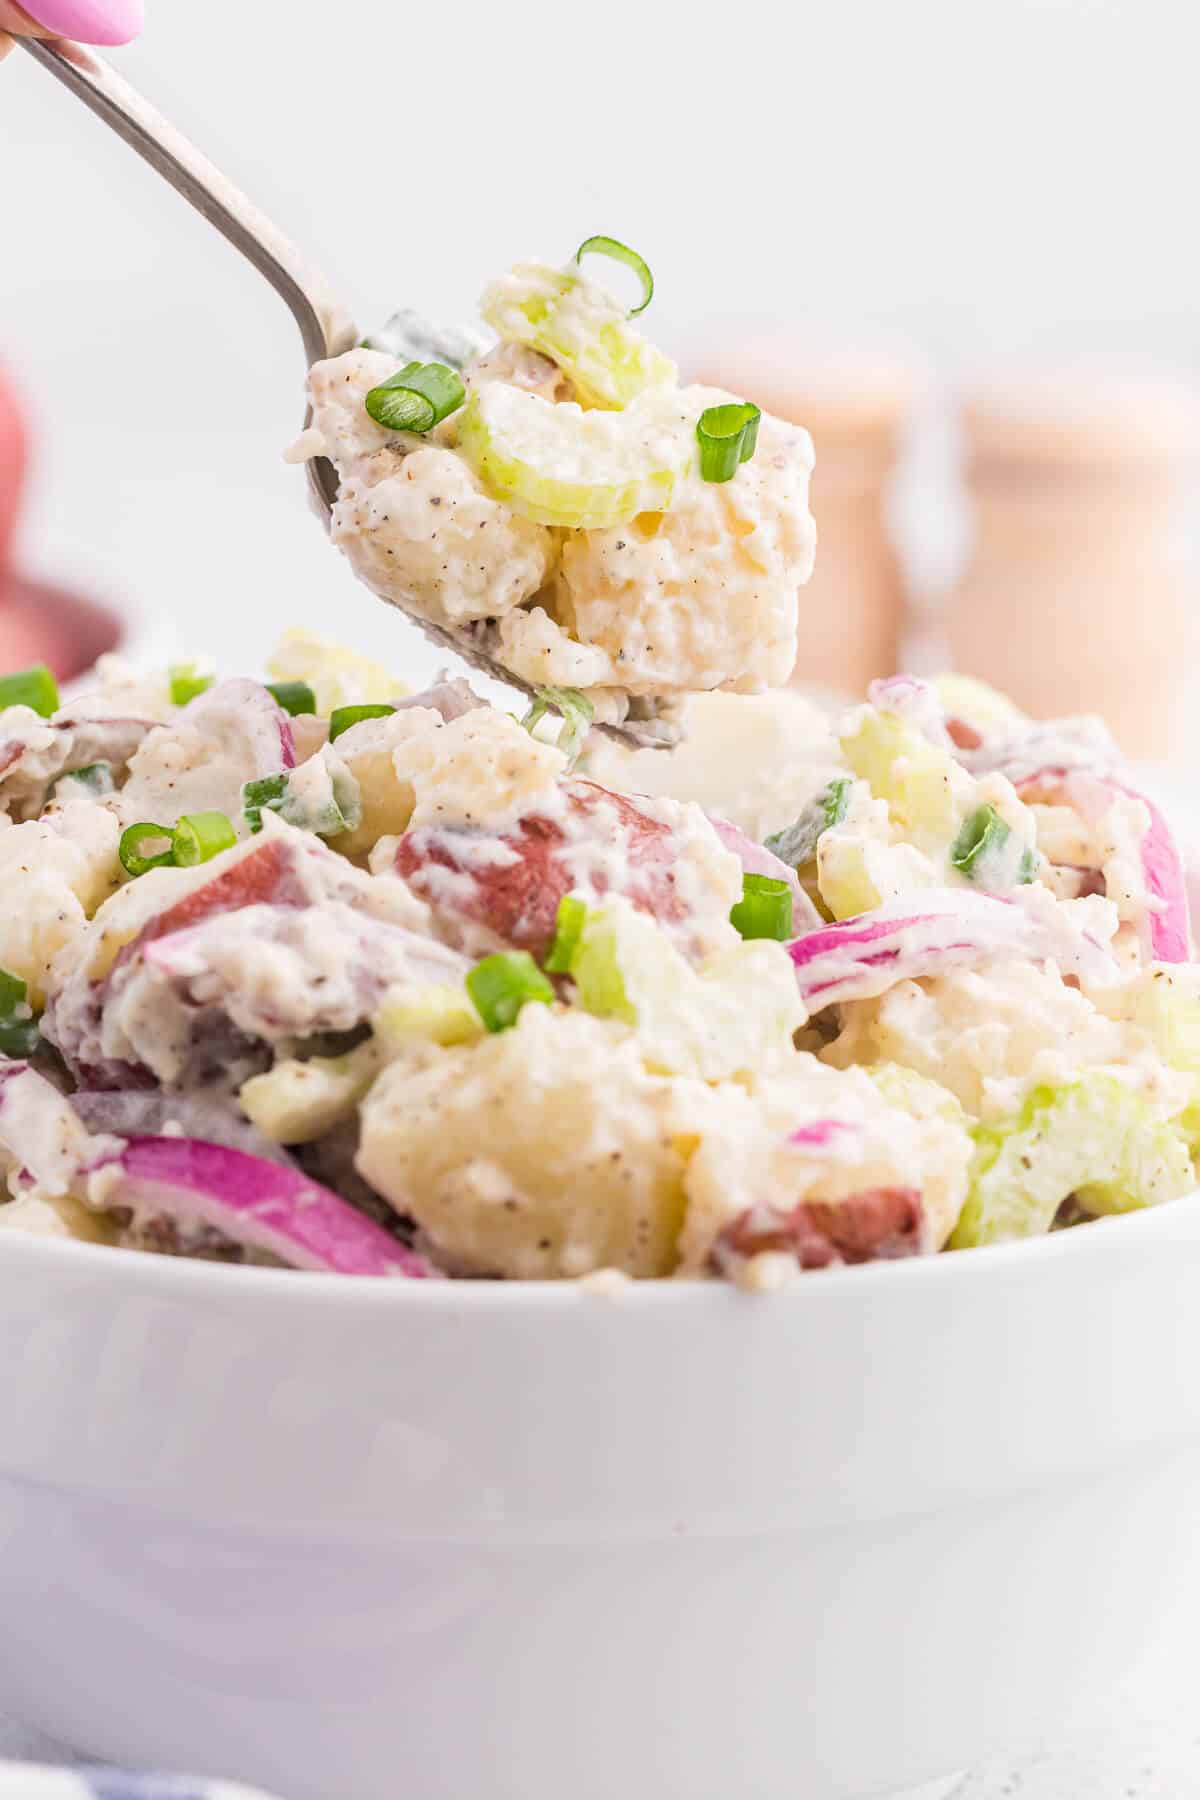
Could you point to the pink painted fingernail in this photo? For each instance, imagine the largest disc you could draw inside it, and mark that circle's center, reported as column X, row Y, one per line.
column 89, row 21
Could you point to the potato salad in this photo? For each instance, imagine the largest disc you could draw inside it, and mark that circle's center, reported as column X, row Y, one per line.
column 561, row 502
column 316, row 972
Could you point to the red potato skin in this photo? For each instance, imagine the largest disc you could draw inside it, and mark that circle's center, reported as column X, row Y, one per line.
column 266, row 874
column 878, row 1225
column 519, row 902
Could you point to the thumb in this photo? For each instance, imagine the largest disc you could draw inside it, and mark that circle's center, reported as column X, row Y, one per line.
column 87, row 21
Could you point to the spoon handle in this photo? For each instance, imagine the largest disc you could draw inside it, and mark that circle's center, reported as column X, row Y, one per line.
column 325, row 326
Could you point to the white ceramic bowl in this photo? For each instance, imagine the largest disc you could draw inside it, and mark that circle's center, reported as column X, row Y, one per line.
column 351, row 1540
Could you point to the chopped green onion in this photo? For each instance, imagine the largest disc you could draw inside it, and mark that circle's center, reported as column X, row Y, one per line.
column 96, row 777
column 19, row 1034
column 1027, row 868
column 797, row 843
column 575, row 710
column 568, row 929
column 201, row 836
column 607, row 246
column 35, row 688
column 295, row 697
column 728, row 437
column 187, row 682
column 342, row 718
column 266, row 793
column 764, row 910
column 982, row 834
column 130, row 849
column 417, row 397
column 501, row 985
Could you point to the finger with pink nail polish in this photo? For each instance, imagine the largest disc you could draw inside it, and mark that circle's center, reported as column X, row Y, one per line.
column 87, row 21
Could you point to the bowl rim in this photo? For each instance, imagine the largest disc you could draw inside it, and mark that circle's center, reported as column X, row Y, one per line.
column 185, row 1277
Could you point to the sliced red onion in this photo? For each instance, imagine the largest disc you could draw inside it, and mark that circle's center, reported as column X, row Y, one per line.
column 1023, row 748
column 756, row 859
column 939, row 929
column 1167, row 932
column 453, row 698
column 819, row 1135
column 255, row 1204
column 915, row 701
column 247, row 709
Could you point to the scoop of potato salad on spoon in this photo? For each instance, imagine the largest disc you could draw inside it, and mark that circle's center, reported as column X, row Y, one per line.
column 560, row 503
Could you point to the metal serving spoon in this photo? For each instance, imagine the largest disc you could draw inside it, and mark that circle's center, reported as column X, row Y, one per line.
column 326, row 328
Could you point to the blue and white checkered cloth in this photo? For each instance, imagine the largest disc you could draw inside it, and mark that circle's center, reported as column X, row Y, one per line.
column 27, row 1781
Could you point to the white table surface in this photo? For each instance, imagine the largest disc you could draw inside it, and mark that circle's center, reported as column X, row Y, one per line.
column 1110, row 1769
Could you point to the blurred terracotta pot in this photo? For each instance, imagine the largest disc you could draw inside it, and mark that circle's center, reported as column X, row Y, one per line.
column 38, row 622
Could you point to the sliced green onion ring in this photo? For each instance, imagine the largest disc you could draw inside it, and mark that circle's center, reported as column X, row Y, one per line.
column 201, row 836
column 576, row 712
column 728, row 437
column 502, row 984
column 568, row 929
column 187, row 682
column 35, row 688
column 417, row 397
column 13, row 993
column 295, row 697
column 984, row 831
column 343, row 718
column 764, row 910
column 797, row 843
column 265, row 793
column 96, row 777
column 619, row 252
column 19, row 1034
column 130, row 849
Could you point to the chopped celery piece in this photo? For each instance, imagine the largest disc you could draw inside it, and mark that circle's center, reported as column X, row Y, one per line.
column 581, row 328
column 975, row 702
column 297, row 1102
column 558, row 465
column 430, row 1014
column 920, row 783
column 844, row 879
column 1092, row 1138
column 917, row 1094
column 1164, row 1000
column 337, row 676
column 734, row 1015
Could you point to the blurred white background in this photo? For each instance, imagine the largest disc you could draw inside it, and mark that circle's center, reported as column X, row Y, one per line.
column 969, row 178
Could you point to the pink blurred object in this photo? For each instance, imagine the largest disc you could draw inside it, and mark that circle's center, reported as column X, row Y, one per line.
column 38, row 622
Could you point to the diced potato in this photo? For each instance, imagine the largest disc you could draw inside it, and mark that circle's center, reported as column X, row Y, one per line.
column 297, row 1102
column 542, row 1152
